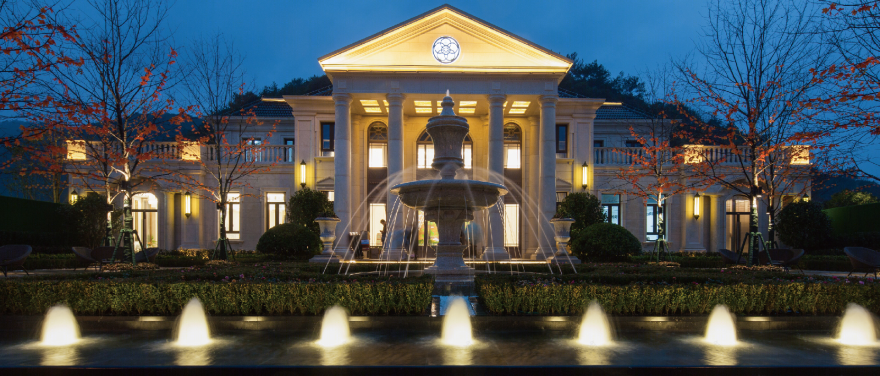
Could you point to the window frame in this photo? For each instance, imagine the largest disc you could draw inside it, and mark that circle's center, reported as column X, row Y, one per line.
column 564, row 150
column 290, row 152
column 330, row 137
column 280, row 215
column 659, row 210
column 607, row 209
column 229, row 223
column 632, row 144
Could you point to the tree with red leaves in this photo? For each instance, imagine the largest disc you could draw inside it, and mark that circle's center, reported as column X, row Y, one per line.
column 753, row 71
column 114, row 107
column 235, row 140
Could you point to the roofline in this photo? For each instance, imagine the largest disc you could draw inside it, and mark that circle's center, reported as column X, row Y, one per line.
column 435, row 10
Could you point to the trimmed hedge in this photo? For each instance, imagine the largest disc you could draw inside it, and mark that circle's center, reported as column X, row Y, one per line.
column 858, row 218
column 684, row 299
column 134, row 298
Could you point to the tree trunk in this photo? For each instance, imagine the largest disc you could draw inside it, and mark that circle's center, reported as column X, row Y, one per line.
column 221, row 253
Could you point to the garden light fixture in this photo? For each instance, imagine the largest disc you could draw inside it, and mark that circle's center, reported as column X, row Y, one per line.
column 74, row 197
column 302, row 173
column 187, row 204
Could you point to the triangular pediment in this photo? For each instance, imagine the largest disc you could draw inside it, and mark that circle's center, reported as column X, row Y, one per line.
column 409, row 46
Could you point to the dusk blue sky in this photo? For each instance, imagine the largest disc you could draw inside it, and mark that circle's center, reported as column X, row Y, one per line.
column 283, row 39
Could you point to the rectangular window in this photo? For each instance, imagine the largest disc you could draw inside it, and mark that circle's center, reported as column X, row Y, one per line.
column 467, row 153
column 611, row 208
column 289, row 154
column 512, row 156
column 377, row 214
column 560, row 196
column 425, row 155
column 511, row 225
column 378, row 155
column 652, row 221
column 330, row 195
column 276, row 209
column 562, row 140
column 328, row 138
column 598, row 143
column 632, row 144
column 233, row 216
column 253, row 153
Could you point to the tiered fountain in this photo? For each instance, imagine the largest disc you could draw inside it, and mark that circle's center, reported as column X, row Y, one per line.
column 449, row 202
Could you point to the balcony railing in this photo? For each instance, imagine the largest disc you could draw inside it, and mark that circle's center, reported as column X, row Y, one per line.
column 262, row 153
column 78, row 150
column 800, row 155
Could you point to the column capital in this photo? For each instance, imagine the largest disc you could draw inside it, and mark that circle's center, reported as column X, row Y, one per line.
column 395, row 98
column 496, row 99
column 356, row 119
column 342, row 98
column 534, row 121
column 549, row 100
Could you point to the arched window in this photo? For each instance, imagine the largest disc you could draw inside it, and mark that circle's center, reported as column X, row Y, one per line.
column 512, row 146
column 378, row 139
column 426, row 151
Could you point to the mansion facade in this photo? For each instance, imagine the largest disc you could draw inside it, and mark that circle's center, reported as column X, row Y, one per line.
column 367, row 133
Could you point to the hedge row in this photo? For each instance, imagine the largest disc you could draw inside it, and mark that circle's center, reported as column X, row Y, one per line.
column 130, row 298
column 752, row 299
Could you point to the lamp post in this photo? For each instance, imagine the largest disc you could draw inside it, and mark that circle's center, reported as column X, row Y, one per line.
column 302, row 173
column 187, row 204
column 584, row 169
column 697, row 206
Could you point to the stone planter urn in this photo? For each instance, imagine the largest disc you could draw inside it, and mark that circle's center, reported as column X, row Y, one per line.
column 562, row 235
column 328, row 235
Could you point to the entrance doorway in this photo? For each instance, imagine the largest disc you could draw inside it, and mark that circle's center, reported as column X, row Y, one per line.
column 145, row 212
column 738, row 212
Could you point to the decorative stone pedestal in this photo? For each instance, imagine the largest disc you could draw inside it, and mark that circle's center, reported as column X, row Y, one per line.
column 328, row 235
column 562, row 235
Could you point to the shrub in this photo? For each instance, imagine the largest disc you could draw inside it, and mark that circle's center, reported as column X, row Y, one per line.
column 584, row 208
column 306, row 205
column 604, row 241
column 803, row 225
column 847, row 197
column 291, row 241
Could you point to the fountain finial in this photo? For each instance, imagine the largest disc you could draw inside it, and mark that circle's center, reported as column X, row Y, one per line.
column 447, row 104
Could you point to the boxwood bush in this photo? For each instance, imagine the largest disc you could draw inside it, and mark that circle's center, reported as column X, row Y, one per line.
column 604, row 241
column 803, row 225
column 290, row 240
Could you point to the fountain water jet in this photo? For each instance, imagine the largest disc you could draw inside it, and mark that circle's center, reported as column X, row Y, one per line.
column 721, row 329
column 334, row 327
column 192, row 327
column 857, row 327
column 59, row 327
column 595, row 329
column 457, row 324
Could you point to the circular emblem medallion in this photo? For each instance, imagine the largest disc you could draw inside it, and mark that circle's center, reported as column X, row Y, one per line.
column 446, row 50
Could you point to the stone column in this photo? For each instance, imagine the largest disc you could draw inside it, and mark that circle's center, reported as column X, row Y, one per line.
column 719, row 222
column 495, row 247
column 342, row 170
column 530, row 201
column 393, row 249
column 547, row 181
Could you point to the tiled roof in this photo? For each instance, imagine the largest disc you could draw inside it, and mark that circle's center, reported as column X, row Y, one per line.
column 618, row 113
column 268, row 109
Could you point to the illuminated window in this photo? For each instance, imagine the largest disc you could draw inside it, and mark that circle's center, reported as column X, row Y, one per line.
column 328, row 139
column 512, row 146
column 377, row 214
column 378, row 150
column 145, row 215
column 511, row 225
column 330, row 195
column 233, row 216
column 425, row 151
column 611, row 208
column 276, row 209
column 654, row 213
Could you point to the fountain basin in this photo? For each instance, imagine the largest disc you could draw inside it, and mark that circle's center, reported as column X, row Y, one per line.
column 449, row 194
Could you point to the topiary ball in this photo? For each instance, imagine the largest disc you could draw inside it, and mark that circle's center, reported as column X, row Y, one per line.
column 803, row 225
column 604, row 241
column 290, row 241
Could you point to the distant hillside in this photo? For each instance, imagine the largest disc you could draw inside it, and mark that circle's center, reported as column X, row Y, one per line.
column 825, row 186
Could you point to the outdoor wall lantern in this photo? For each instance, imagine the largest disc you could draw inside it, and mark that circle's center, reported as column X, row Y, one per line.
column 697, row 206
column 74, row 196
column 187, row 204
column 584, row 176
column 302, row 173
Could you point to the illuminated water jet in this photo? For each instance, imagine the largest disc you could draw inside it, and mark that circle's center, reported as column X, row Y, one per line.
column 192, row 327
column 857, row 327
column 334, row 328
column 595, row 329
column 59, row 327
column 721, row 329
column 457, row 324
